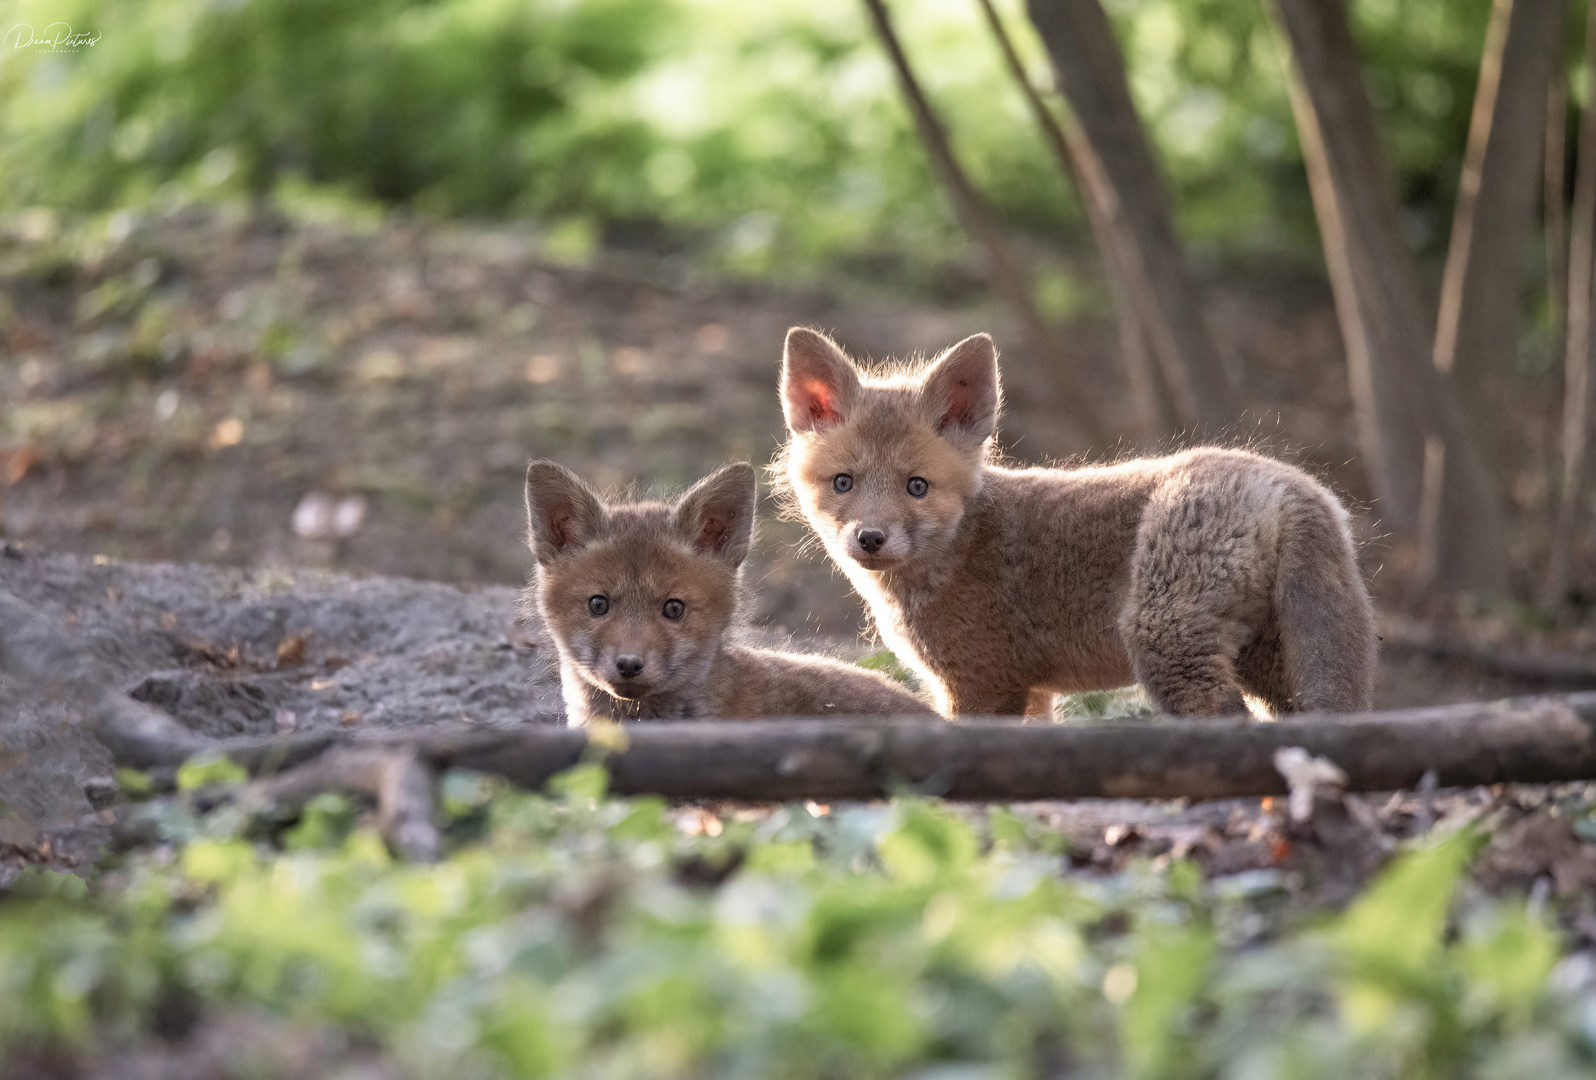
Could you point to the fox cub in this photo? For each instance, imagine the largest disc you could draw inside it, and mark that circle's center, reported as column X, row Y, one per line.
column 640, row 597
column 1201, row 575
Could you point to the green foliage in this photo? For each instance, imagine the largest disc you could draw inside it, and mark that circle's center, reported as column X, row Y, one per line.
column 206, row 769
column 889, row 665
column 768, row 138
column 1106, row 704
column 324, row 822
column 575, row 935
column 134, row 783
column 1171, row 967
column 1390, row 940
column 452, row 105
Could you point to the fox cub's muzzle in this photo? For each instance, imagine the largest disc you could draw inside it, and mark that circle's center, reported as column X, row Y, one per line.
column 875, row 546
column 627, row 671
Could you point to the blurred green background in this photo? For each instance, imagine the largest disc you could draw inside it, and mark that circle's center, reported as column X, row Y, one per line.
column 761, row 139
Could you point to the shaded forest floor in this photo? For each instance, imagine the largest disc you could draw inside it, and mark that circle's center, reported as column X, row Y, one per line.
column 246, row 391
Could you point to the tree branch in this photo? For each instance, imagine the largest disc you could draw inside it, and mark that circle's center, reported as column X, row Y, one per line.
column 1010, row 279
column 401, row 784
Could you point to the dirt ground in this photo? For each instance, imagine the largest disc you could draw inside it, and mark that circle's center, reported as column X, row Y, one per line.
column 220, row 387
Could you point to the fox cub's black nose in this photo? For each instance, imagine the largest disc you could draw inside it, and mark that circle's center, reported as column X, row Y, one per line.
column 629, row 666
column 871, row 540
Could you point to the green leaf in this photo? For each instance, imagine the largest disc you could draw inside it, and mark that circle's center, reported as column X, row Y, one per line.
column 1399, row 918
column 134, row 783
column 589, row 781
column 1006, row 829
column 868, row 1008
column 1508, row 955
column 218, row 860
column 927, row 843
column 780, row 857
column 1391, row 936
column 209, row 768
column 324, row 822
column 1171, row 965
column 644, row 821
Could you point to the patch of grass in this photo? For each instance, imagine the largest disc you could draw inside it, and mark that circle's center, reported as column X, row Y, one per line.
column 1105, row 704
column 887, row 662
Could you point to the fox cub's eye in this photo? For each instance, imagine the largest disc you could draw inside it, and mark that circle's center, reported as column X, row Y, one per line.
column 675, row 609
column 918, row 487
column 842, row 482
column 598, row 605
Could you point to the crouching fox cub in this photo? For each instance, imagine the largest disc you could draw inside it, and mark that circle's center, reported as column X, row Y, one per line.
column 1200, row 575
column 640, row 596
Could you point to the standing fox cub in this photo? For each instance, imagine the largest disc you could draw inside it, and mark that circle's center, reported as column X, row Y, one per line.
column 640, row 597
column 1201, row 575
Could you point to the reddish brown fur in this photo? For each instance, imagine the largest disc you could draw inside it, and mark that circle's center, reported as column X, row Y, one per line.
column 639, row 556
column 1201, row 575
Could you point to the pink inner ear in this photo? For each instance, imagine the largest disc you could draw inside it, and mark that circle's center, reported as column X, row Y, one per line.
column 959, row 412
column 562, row 530
column 821, row 400
column 713, row 535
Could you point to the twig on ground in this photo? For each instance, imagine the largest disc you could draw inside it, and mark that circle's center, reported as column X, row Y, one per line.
column 401, row 784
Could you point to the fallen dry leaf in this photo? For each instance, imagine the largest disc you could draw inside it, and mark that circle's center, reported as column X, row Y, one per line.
column 229, row 432
column 15, row 464
column 1537, row 846
column 291, row 651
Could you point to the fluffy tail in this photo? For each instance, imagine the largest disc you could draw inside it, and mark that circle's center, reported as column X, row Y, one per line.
column 1327, row 632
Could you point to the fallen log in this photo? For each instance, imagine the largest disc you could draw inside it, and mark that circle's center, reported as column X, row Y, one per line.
column 1525, row 740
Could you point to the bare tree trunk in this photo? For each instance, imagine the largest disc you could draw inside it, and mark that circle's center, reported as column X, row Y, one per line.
column 1553, row 195
column 1577, row 349
column 1117, row 172
column 1011, row 280
column 1399, row 396
column 1476, row 336
column 1132, row 291
column 1476, row 333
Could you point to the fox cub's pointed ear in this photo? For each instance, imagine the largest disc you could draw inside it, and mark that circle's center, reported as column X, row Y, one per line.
column 818, row 381
column 717, row 514
column 562, row 513
column 960, row 391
